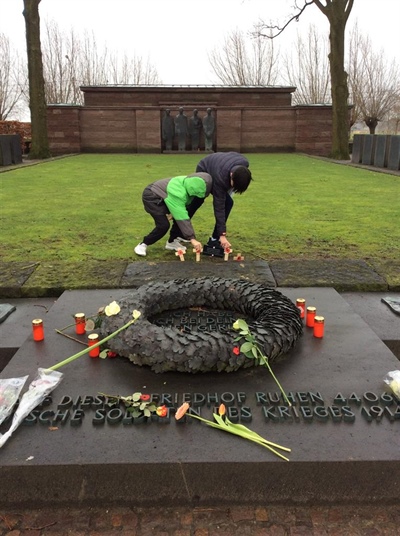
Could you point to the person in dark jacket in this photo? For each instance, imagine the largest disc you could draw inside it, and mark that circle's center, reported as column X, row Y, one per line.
column 168, row 199
column 230, row 174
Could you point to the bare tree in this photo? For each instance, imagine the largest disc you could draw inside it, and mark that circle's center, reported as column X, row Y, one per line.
column 374, row 82
column 71, row 61
column 337, row 12
column 37, row 102
column 12, row 80
column 60, row 61
column 241, row 63
column 393, row 118
column 93, row 62
column 307, row 68
column 128, row 70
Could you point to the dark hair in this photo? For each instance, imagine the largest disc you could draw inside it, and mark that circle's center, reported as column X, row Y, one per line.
column 241, row 178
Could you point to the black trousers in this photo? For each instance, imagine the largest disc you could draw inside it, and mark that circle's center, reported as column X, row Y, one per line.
column 158, row 210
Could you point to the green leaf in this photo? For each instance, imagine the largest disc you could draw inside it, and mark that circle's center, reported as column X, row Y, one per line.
column 136, row 396
column 147, row 413
column 220, row 420
column 246, row 347
column 103, row 354
column 254, row 351
column 143, row 405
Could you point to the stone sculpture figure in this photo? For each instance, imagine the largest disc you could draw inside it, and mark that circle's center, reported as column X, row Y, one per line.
column 181, row 129
column 195, row 125
column 209, row 128
column 168, row 130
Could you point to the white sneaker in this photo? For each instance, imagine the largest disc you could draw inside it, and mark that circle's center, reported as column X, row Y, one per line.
column 180, row 239
column 140, row 249
column 175, row 246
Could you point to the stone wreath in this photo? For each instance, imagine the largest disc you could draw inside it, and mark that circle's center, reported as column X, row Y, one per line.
column 272, row 318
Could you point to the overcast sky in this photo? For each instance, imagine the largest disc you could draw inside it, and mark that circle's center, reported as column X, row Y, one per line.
column 177, row 35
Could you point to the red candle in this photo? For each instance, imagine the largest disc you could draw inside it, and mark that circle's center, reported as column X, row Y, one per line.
column 310, row 316
column 38, row 330
column 93, row 339
column 319, row 324
column 80, row 322
column 301, row 304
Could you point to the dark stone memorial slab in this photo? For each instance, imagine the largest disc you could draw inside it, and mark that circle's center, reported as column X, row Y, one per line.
column 381, row 151
column 368, row 150
column 342, row 428
column 5, row 151
column 16, row 150
column 358, row 144
column 394, row 153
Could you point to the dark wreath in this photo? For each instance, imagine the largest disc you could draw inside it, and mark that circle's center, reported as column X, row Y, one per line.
column 272, row 318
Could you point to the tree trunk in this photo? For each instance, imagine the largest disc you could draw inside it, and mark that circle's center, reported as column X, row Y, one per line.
column 372, row 123
column 37, row 102
column 340, row 91
column 337, row 13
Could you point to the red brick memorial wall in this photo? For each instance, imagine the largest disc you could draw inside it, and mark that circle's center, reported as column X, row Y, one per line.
column 128, row 119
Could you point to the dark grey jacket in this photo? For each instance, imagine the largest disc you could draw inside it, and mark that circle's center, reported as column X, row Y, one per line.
column 220, row 166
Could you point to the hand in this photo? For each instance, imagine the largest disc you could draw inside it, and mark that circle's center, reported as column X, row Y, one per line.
column 196, row 244
column 224, row 242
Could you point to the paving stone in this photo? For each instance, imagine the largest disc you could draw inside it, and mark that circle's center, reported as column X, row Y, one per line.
column 342, row 275
column 51, row 279
column 5, row 310
column 141, row 272
column 13, row 275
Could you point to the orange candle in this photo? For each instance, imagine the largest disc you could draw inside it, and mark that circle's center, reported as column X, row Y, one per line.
column 38, row 330
column 310, row 316
column 319, row 324
column 80, row 322
column 93, row 339
column 301, row 304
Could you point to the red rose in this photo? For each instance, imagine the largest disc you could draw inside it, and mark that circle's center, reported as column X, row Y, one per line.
column 162, row 411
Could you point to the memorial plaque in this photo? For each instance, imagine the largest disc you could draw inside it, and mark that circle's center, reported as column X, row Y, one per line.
column 381, row 151
column 342, row 426
column 394, row 153
column 368, row 149
column 358, row 144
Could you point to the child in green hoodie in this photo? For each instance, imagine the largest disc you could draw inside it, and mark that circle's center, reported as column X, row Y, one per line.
column 168, row 199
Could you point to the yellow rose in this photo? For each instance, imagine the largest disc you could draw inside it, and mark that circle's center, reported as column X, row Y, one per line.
column 395, row 387
column 112, row 309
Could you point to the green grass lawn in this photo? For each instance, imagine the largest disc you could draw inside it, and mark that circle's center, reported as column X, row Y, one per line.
column 89, row 207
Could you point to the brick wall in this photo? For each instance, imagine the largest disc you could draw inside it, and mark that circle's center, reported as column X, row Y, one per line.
column 64, row 130
column 128, row 119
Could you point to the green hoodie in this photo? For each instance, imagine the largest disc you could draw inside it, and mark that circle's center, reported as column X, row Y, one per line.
column 177, row 194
